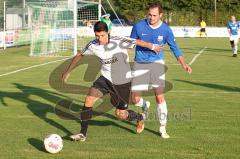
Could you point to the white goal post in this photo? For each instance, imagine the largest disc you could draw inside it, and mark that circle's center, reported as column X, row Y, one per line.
column 56, row 26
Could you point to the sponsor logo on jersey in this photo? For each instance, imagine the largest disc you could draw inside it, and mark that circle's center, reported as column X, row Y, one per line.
column 109, row 61
column 160, row 38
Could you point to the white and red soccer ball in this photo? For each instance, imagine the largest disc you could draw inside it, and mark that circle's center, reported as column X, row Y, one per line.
column 53, row 143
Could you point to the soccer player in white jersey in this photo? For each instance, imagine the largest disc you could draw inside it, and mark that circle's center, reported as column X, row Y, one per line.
column 233, row 30
column 113, row 54
column 149, row 66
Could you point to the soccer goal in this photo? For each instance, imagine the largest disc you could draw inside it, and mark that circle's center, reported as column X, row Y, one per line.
column 59, row 28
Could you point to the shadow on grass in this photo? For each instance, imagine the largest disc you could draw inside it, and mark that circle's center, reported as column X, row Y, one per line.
column 213, row 86
column 117, row 123
column 38, row 144
column 130, row 123
column 37, row 107
column 41, row 109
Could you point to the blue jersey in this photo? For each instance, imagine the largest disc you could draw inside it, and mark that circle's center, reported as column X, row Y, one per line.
column 159, row 36
column 233, row 27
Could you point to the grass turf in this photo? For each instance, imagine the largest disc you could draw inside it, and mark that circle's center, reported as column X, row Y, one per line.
column 203, row 109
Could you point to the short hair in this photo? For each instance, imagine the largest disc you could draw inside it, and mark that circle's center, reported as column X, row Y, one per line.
column 156, row 5
column 100, row 26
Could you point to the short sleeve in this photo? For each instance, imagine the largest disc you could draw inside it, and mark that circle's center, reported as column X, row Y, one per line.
column 88, row 49
column 134, row 34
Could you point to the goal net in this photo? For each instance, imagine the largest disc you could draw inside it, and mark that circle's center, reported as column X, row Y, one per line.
column 61, row 27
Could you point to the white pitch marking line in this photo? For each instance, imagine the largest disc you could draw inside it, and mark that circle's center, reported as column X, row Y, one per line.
column 196, row 56
column 34, row 66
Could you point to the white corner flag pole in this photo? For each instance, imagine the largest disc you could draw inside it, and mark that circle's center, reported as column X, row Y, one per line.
column 4, row 25
column 75, row 12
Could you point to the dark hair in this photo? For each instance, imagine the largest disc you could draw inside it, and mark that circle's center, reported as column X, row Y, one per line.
column 100, row 26
column 156, row 5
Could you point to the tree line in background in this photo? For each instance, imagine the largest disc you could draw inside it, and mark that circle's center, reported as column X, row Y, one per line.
column 182, row 12
column 176, row 12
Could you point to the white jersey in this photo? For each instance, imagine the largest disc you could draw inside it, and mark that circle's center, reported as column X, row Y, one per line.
column 114, row 58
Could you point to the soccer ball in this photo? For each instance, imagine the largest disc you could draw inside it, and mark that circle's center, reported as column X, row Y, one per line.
column 53, row 143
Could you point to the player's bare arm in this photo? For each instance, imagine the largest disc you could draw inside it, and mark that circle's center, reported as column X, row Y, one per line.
column 71, row 66
column 185, row 66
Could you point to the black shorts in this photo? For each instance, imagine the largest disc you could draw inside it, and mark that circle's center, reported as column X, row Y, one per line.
column 119, row 93
column 202, row 30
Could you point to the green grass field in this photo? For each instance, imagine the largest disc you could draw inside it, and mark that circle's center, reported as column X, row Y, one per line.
column 204, row 114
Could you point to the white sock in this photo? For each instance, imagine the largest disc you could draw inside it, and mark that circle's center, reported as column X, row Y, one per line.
column 162, row 129
column 141, row 102
column 162, row 115
column 235, row 49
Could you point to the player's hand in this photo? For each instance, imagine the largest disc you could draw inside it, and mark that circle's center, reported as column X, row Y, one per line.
column 65, row 76
column 187, row 68
column 157, row 48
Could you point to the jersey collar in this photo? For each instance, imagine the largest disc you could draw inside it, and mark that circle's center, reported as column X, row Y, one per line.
column 153, row 26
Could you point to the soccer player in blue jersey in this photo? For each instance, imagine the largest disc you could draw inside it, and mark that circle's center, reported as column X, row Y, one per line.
column 149, row 66
column 233, row 29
